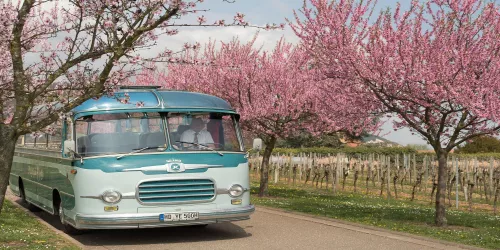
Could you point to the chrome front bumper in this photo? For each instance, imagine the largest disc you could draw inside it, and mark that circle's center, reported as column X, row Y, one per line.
column 147, row 220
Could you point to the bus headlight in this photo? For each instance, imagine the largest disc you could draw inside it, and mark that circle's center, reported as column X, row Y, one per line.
column 111, row 196
column 236, row 190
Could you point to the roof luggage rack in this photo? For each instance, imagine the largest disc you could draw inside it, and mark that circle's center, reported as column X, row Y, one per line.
column 140, row 87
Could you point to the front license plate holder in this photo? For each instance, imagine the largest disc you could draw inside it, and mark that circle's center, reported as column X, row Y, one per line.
column 182, row 216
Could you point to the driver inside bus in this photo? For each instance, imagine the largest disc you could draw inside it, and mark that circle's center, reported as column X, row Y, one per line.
column 197, row 134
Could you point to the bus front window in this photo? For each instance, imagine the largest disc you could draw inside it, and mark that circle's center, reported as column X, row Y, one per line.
column 106, row 134
column 203, row 131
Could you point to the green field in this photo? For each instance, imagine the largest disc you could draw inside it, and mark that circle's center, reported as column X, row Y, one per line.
column 478, row 229
column 18, row 230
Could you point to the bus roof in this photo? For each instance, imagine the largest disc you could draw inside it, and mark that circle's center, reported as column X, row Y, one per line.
column 152, row 98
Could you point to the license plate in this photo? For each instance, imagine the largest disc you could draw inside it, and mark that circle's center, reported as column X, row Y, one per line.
column 179, row 216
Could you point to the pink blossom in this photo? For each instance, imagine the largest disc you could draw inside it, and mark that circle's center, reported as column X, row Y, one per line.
column 202, row 20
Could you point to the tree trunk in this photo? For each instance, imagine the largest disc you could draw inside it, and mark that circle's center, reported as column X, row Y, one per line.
column 471, row 191
column 497, row 192
column 382, row 178
column 7, row 145
column 356, row 177
column 440, row 218
column 264, row 170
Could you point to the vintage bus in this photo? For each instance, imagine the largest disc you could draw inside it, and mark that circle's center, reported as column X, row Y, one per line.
column 144, row 157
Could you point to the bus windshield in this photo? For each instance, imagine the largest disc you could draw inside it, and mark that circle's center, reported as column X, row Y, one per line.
column 104, row 134
column 203, row 131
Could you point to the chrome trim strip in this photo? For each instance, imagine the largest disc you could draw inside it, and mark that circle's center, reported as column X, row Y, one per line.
column 34, row 182
column 148, row 168
column 177, row 202
column 226, row 190
column 159, row 106
column 61, row 192
column 165, row 168
column 91, row 197
column 199, row 166
column 98, row 197
column 222, row 191
column 152, row 219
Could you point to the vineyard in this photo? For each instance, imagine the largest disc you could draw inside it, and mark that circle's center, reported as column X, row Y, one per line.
column 472, row 182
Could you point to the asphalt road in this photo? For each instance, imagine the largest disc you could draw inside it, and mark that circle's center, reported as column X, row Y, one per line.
column 267, row 229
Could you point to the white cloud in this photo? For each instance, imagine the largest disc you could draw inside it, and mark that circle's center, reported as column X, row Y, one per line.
column 266, row 39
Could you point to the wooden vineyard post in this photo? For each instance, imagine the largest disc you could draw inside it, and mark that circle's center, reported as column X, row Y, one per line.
column 496, row 176
column 277, row 168
column 388, row 177
column 492, row 195
column 379, row 169
column 405, row 166
column 414, row 167
column 330, row 164
column 290, row 169
column 301, row 165
column 426, row 176
column 337, row 170
column 409, row 168
column 382, row 174
column 369, row 172
column 465, row 178
column 310, row 167
column 474, row 171
column 313, row 166
column 457, row 178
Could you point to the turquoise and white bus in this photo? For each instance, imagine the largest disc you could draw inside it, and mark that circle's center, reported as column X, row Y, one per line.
column 138, row 159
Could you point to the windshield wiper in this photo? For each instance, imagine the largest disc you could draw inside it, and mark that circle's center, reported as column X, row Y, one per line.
column 138, row 151
column 197, row 144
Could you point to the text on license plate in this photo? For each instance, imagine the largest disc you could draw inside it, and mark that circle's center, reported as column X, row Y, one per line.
column 179, row 216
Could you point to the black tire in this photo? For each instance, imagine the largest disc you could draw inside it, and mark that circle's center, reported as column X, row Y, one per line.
column 199, row 226
column 27, row 204
column 67, row 228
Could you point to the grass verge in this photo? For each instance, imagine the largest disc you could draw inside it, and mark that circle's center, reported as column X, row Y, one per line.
column 478, row 229
column 19, row 230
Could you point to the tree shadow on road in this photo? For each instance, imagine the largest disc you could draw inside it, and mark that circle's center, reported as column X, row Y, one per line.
column 153, row 236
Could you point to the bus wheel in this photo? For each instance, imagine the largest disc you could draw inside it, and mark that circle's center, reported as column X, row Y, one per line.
column 199, row 226
column 27, row 204
column 67, row 228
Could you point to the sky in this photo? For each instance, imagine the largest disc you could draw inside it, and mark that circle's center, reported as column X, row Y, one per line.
column 261, row 12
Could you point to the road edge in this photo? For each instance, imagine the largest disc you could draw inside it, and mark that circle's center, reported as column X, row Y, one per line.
column 13, row 199
column 372, row 230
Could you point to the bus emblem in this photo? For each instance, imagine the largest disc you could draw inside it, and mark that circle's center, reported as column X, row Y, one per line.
column 176, row 167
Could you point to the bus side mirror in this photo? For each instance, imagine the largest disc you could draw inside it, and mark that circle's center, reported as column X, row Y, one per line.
column 257, row 144
column 69, row 148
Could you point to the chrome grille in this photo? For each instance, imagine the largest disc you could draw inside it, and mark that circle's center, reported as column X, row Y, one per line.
column 176, row 191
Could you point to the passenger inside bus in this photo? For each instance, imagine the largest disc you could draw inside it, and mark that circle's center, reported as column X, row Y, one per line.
column 197, row 134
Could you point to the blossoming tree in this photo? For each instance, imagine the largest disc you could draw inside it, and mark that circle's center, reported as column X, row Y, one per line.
column 275, row 92
column 56, row 54
column 435, row 66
